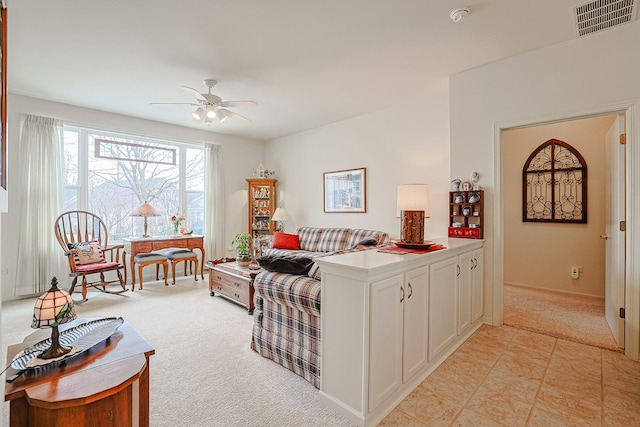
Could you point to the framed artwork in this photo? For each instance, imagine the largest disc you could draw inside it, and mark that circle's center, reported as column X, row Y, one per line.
column 345, row 191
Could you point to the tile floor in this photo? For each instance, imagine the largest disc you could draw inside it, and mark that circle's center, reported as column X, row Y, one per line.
column 504, row 376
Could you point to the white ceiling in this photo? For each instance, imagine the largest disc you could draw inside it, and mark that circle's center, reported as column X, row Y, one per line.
column 306, row 63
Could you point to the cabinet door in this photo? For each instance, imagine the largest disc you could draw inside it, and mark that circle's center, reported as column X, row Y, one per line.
column 416, row 310
column 443, row 305
column 385, row 343
column 466, row 263
column 477, row 286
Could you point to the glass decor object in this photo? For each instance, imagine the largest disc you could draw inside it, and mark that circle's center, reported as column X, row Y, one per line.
column 554, row 184
column 53, row 308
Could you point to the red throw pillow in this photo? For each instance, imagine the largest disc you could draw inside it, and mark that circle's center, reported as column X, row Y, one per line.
column 285, row 241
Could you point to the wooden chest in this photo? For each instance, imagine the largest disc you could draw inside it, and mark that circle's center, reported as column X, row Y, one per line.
column 232, row 282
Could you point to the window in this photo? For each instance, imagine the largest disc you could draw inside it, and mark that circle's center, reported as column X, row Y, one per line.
column 554, row 184
column 111, row 174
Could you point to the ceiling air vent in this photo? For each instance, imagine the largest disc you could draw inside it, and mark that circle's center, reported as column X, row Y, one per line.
column 600, row 15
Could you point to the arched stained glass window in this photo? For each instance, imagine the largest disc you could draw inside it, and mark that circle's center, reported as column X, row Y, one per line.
column 554, row 184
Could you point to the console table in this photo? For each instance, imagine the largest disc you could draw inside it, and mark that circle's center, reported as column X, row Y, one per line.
column 108, row 385
column 138, row 245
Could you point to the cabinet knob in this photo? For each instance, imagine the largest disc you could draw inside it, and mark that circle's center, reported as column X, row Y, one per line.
column 402, row 293
column 410, row 290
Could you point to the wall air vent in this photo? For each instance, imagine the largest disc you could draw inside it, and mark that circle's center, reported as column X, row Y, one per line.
column 600, row 15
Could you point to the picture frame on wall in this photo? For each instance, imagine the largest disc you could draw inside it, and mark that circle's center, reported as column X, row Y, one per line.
column 345, row 191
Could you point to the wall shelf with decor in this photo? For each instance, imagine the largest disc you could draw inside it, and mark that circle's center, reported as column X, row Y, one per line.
column 466, row 214
column 262, row 204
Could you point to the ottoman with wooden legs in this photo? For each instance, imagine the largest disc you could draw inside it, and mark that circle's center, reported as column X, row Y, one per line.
column 150, row 258
column 182, row 255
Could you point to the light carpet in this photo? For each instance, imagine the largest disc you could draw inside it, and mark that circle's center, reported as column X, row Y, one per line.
column 204, row 372
column 572, row 317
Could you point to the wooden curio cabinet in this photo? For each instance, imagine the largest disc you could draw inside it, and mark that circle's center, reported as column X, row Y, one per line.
column 466, row 214
column 262, row 204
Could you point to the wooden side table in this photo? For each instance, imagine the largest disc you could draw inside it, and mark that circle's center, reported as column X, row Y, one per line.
column 105, row 386
column 232, row 281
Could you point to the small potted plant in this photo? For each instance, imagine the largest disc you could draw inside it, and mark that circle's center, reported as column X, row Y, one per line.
column 243, row 255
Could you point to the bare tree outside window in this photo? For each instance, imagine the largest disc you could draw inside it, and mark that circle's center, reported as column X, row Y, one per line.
column 123, row 172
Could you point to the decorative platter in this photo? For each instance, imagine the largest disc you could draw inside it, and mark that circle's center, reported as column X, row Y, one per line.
column 406, row 245
column 82, row 337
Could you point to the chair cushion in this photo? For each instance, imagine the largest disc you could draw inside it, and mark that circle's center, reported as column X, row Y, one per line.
column 309, row 238
column 332, row 239
column 150, row 257
column 94, row 268
column 179, row 254
column 87, row 252
column 285, row 241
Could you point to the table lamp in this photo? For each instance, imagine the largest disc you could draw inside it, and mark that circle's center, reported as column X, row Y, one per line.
column 53, row 308
column 412, row 208
column 145, row 210
column 279, row 215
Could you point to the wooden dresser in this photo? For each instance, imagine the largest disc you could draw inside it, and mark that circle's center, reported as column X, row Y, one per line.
column 232, row 281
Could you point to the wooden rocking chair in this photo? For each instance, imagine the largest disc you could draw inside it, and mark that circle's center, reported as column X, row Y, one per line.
column 84, row 238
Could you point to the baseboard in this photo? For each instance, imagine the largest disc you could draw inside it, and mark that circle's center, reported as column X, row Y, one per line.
column 539, row 288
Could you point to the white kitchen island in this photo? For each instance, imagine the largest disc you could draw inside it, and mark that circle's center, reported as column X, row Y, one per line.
column 389, row 320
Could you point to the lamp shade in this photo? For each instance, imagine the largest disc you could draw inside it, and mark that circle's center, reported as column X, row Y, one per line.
column 413, row 197
column 145, row 209
column 53, row 308
column 279, row 215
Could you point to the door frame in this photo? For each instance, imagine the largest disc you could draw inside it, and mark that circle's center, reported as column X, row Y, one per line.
column 631, row 111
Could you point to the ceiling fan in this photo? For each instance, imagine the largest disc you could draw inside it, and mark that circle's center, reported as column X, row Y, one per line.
column 210, row 106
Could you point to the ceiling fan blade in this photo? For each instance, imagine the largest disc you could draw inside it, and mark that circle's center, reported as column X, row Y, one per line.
column 172, row 103
column 235, row 116
column 195, row 93
column 238, row 104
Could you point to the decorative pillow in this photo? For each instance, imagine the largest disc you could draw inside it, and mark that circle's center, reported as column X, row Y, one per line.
column 285, row 241
column 370, row 241
column 286, row 264
column 87, row 252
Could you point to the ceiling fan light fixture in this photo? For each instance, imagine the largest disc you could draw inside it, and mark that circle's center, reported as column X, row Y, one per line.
column 211, row 112
column 198, row 114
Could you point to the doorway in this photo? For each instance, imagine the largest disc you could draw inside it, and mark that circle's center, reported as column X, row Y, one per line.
column 539, row 257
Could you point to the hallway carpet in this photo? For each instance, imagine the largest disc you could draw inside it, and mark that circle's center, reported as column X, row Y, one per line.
column 572, row 317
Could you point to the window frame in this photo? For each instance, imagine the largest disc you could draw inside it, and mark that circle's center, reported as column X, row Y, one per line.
column 86, row 147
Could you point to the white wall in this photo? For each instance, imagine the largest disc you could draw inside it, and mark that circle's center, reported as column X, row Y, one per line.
column 592, row 74
column 540, row 254
column 241, row 156
column 400, row 145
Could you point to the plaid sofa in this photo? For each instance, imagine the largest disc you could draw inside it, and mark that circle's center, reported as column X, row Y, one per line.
column 286, row 319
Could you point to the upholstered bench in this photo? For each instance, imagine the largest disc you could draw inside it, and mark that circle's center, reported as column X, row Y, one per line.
column 150, row 258
column 182, row 255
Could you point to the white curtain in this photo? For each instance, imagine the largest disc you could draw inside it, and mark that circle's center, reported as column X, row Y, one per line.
column 39, row 204
column 214, row 205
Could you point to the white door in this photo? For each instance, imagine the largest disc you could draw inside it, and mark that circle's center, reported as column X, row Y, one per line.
column 615, row 239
